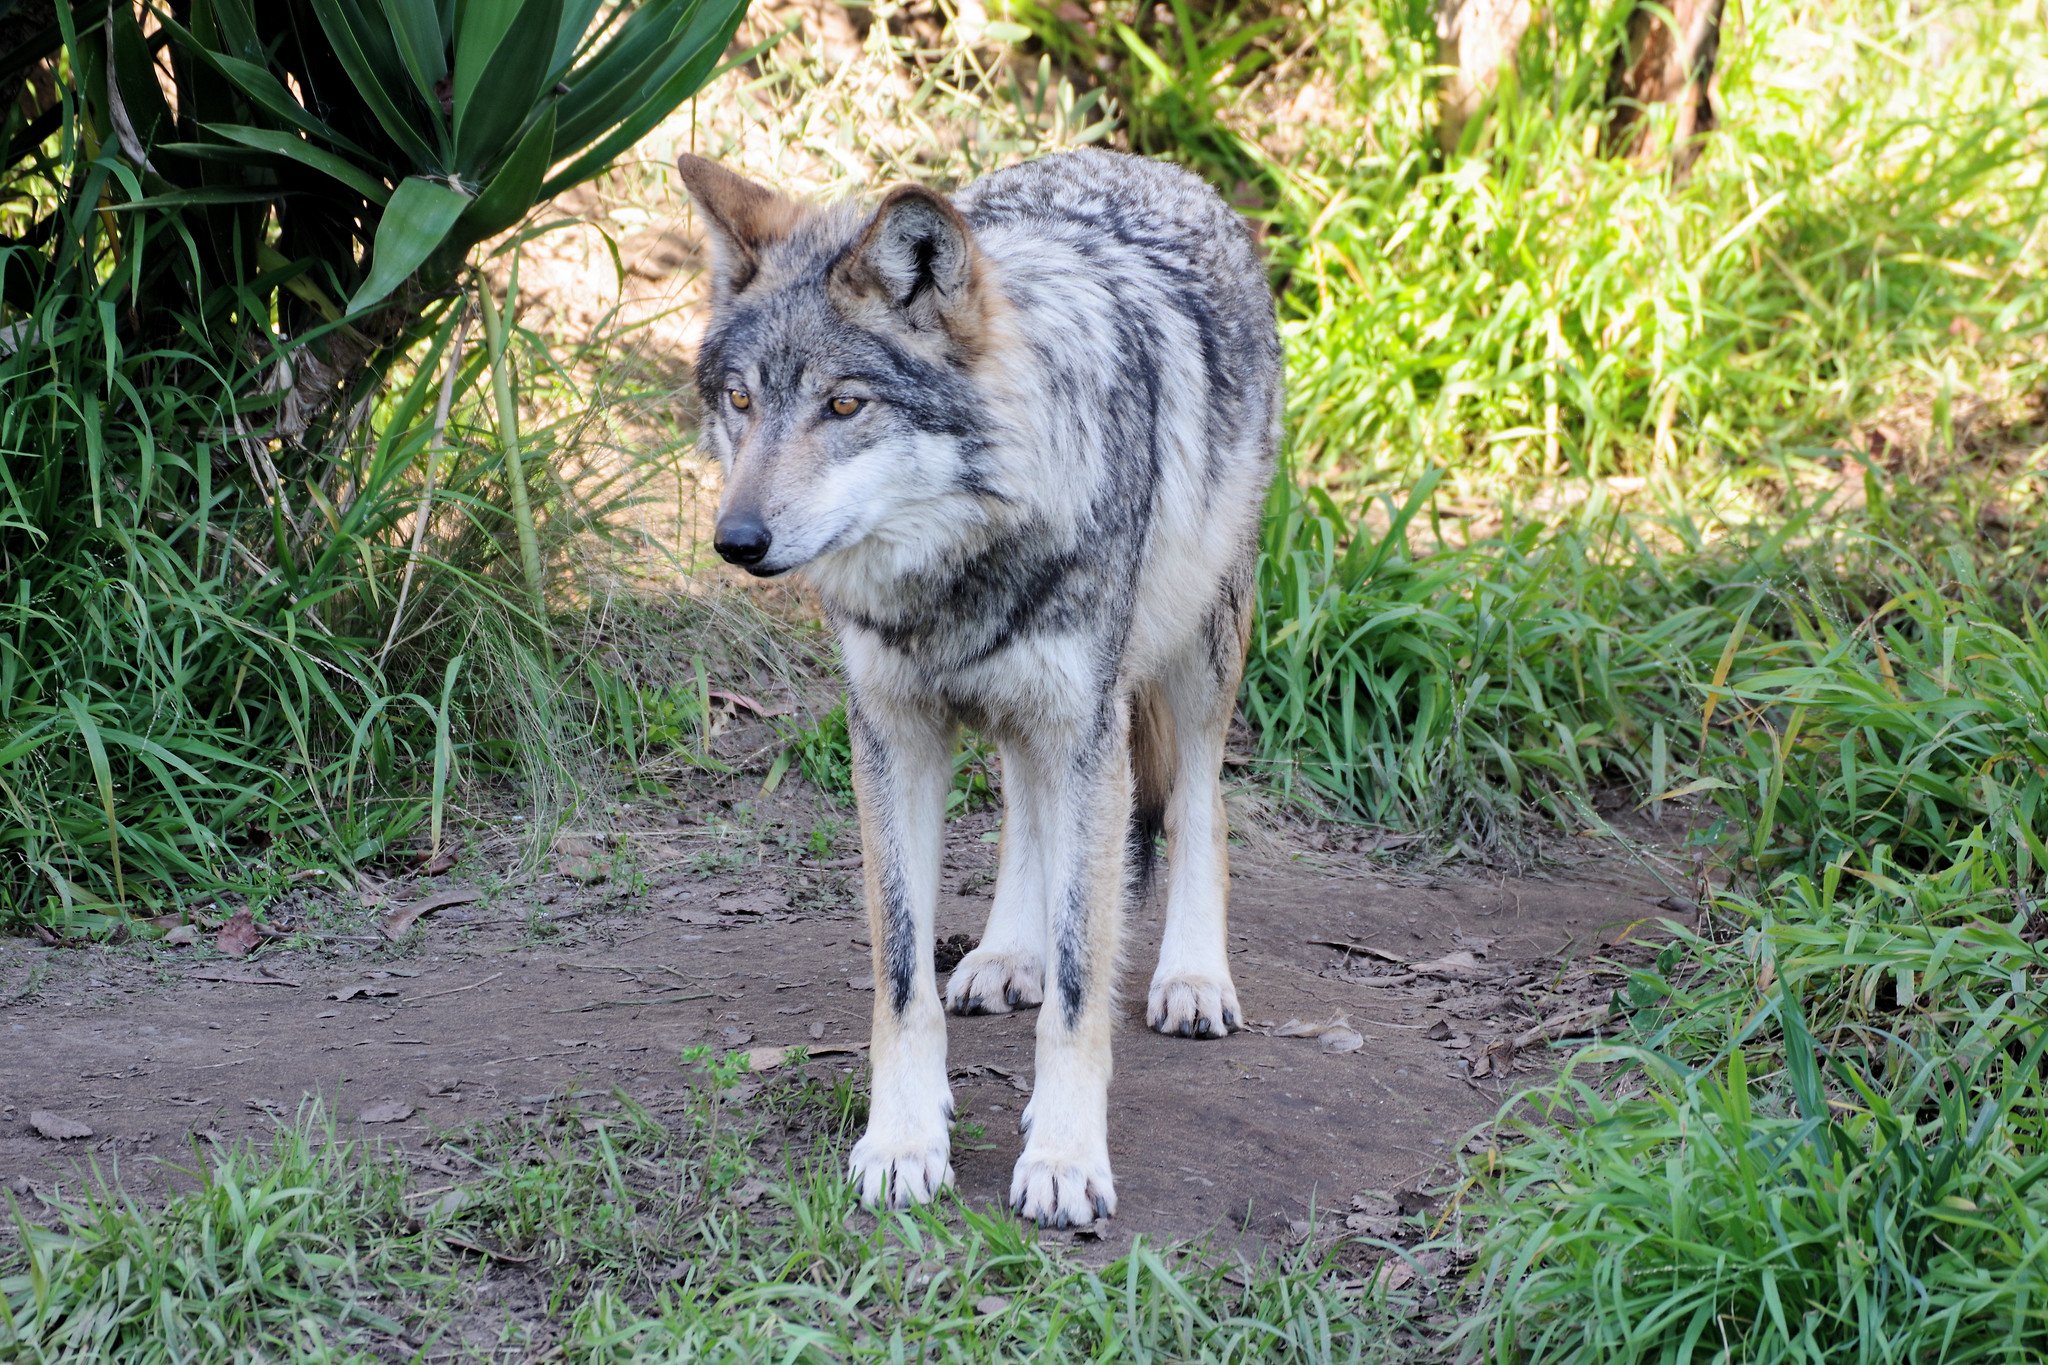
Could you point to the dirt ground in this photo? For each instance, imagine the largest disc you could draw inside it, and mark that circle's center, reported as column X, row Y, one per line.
column 591, row 984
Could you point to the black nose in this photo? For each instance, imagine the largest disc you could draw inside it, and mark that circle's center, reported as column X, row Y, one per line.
column 741, row 540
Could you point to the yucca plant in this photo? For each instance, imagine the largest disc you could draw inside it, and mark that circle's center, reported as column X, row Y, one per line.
column 223, row 223
column 351, row 152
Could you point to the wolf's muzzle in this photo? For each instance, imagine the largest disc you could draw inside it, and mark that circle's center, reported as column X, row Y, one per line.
column 741, row 540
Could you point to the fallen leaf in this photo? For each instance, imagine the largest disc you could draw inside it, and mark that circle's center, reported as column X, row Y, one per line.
column 1021, row 1084
column 213, row 1135
column 1294, row 1028
column 988, row 1305
column 766, row 1058
column 1089, row 1232
column 184, row 936
column 502, row 1257
column 1437, row 1032
column 387, row 1111
column 238, row 937
column 748, row 703
column 351, row 992
column 732, row 1035
column 437, row 863
column 249, row 978
column 862, row 983
column 767, row 902
column 838, row 1050
column 1396, row 1274
column 584, row 870
column 1459, row 964
column 749, row 1194
column 56, row 1127
column 1414, row 1201
column 395, row 924
column 1359, row 949
column 1372, row 1225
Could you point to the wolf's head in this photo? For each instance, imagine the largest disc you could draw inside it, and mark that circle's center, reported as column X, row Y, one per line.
column 841, row 373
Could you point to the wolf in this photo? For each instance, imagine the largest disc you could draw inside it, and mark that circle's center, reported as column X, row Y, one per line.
column 1018, row 439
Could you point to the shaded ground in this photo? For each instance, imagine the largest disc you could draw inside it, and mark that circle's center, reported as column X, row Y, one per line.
column 565, row 986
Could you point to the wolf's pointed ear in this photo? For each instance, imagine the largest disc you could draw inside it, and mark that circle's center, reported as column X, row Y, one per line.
column 744, row 218
column 918, row 259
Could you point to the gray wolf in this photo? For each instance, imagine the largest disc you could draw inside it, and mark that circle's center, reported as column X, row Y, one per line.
column 1018, row 439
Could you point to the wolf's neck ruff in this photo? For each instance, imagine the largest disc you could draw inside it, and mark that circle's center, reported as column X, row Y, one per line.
column 1018, row 440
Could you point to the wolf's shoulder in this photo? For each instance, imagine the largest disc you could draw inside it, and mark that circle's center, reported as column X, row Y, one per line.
column 1089, row 191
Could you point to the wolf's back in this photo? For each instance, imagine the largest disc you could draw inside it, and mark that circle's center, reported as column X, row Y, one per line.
column 1145, row 331
column 1130, row 270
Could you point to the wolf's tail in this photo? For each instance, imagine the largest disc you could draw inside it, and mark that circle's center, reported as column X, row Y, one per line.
column 1152, row 750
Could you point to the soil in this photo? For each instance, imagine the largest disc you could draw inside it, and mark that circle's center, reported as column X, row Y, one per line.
column 591, row 983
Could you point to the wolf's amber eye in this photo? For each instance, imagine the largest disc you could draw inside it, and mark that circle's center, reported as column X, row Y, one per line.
column 739, row 398
column 845, row 407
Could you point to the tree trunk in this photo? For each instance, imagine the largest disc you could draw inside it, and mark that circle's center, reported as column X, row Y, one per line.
column 1477, row 38
column 1668, row 58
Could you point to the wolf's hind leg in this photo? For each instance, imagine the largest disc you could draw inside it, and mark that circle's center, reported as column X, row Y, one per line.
column 902, row 761
column 1007, row 970
column 1063, row 1177
column 1191, row 993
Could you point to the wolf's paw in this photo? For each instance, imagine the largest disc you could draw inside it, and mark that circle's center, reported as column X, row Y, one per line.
column 896, row 1169
column 1063, row 1190
column 1193, row 1005
column 988, row 982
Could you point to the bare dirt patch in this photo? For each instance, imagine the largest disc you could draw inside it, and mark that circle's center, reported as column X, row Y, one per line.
column 588, row 986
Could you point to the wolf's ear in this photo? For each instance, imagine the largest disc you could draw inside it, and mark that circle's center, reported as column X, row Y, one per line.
column 744, row 218
column 917, row 258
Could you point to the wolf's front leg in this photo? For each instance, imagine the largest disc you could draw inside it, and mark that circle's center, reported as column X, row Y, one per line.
column 902, row 761
column 1063, row 1176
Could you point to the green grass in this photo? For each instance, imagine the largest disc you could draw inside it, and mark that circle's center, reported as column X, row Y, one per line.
column 730, row 1234
column 1824, row 1141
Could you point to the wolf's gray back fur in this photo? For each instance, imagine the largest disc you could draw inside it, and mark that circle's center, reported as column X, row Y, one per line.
column 1019, row 441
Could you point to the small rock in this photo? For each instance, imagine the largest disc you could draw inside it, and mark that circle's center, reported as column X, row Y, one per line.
column 56, row 1127
column 862, row 983
column 1338, row 1038
column 817, row 1031
column 388, row 1111
column 451, row 1203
